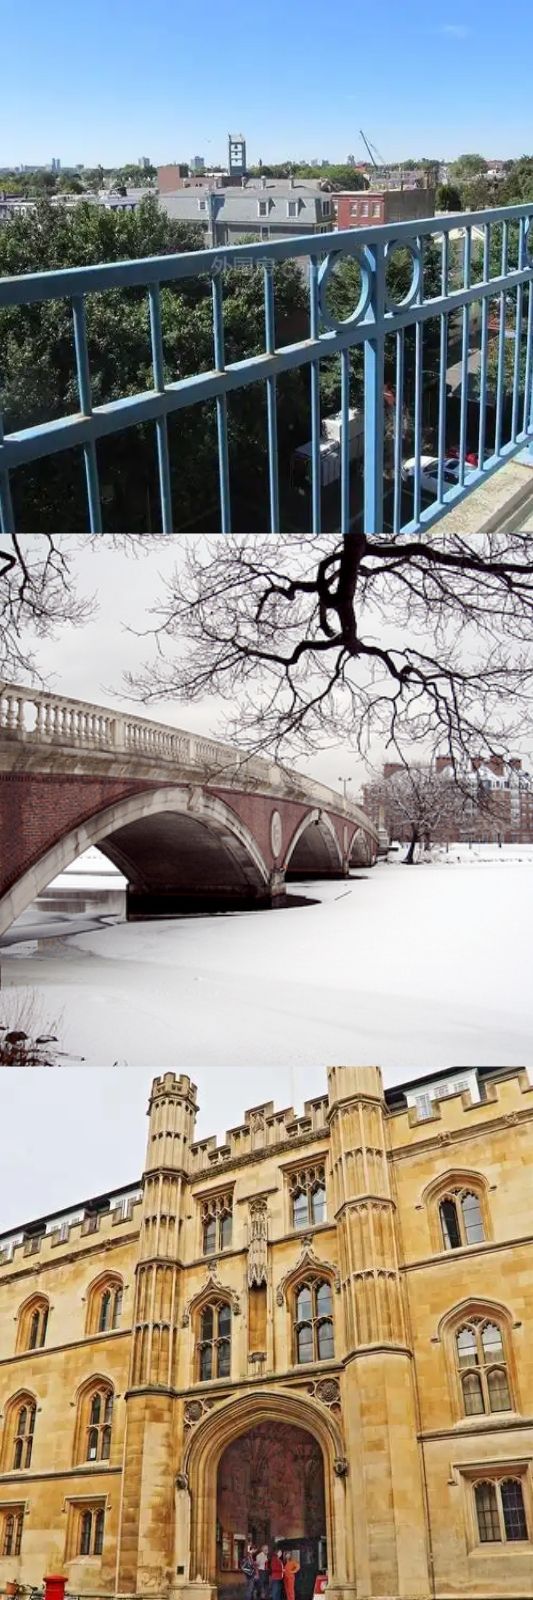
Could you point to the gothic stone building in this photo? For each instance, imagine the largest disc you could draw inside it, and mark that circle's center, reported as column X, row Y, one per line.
column 318, row 1333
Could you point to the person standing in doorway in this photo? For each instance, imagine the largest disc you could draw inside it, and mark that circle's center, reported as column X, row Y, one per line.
column 276, row 1576
column 290, row 1568
column 262, row 1563
column 251, row 1573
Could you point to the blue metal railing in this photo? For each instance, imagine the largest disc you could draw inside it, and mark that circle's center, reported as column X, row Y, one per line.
column 391, row 336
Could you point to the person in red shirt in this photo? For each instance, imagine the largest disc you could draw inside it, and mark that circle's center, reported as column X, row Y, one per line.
column 276, row 1576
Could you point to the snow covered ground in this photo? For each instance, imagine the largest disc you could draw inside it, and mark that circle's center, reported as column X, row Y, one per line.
column 414, row 968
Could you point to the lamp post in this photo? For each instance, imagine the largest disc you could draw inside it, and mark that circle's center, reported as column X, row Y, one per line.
column 345, row 782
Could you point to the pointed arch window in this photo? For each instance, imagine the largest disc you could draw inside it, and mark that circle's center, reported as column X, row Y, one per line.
column 313, row 1337
column 110, row 1308
column 500, row 1511
column 104, row 1304
column 33, row 1323
column 461, row 1219
column 23, row 1436
column 214, row 1341
column 11, row 1524
column 99, row 1422
column 482, row 1367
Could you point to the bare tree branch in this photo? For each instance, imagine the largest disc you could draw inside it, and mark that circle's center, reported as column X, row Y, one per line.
column 311, row 640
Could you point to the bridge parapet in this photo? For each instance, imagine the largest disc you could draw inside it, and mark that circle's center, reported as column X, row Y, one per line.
column 37, row 719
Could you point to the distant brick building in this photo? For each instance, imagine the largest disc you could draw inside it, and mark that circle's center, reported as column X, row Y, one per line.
column 364, row 208
column 497, row 803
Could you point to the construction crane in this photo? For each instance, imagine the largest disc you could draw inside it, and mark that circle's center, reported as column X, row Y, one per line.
column 373, row 152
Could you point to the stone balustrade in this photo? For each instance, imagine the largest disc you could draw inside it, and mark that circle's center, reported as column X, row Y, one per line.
column 39, row 718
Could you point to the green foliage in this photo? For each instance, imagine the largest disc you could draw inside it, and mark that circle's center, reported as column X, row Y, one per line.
column 449, row 197
column 466, row 168
column 38, row 380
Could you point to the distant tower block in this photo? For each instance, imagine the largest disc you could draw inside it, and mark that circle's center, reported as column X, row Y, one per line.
column 236, row 155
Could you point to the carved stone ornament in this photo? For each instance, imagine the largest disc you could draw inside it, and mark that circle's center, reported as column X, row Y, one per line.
column 212, row 1286
column 194, row 1410
column 182, row 1481
column 340, row 1467
column 327, row 1390
column 257, row 1244
column 307, row 1260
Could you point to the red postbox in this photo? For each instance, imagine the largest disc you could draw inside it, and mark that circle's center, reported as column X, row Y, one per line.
column 321, row 1583
column 54, row 1588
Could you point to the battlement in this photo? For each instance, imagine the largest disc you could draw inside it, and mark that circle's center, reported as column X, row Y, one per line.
column 263, row 1130
column 503, row 1092
column 178, row 1084
column 106, row 1215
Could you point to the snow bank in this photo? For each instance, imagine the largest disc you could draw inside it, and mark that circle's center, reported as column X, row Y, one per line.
column 416, row 969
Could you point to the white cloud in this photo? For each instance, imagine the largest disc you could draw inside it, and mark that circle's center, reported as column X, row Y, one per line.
column 454, row 30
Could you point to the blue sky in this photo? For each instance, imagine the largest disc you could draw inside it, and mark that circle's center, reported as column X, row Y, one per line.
column 109, row 80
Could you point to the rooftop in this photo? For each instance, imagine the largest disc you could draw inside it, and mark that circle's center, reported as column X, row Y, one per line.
column 396, row 1100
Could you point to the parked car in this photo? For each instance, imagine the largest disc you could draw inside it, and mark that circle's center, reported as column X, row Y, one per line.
column 429, row 471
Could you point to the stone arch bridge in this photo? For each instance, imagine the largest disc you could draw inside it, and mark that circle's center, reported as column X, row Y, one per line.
column 191, row 823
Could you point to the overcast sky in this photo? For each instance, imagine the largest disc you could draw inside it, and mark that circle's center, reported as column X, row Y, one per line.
column 88, row 663
column 67, row 1133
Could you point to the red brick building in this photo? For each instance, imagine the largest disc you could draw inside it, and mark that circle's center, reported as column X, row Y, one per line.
column 372, row 207
column 493, row 803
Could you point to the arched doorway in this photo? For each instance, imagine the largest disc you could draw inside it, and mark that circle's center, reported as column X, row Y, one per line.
column 196, row 1514
column 270, row 1489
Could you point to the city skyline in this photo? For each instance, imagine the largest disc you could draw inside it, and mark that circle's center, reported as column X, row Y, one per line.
column 97, row 86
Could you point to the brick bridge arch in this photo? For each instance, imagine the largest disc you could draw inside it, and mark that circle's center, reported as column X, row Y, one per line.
column 192, row 823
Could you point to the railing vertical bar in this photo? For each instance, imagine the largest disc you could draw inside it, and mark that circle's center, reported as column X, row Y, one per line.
column 419, row 383
column 158, row 364
column 84, row 391
column 398, row 433
column 484, row 349
column 374, row 369
column 500, row 390
column 345, row 441
column 465, row 357
column 314, row 329
column 518, row 335
column 443, row 363
column 272, row 410
column 221, row 405
column 528, row 384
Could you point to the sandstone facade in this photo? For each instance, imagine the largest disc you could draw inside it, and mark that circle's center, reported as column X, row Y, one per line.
column 319, row 1331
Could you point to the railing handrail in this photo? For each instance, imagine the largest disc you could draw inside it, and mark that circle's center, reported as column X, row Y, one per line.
column 499, row 431
column 27, row 288
column 183, row 748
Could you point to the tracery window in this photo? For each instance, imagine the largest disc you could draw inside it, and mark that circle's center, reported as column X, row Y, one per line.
column 500, row 1510
column 95, row 1422
column 313, row 1321
column 23, row 1435
column 110, row 1308
column 482, row 1367
column 307, row 1189
column 11, row 1523
column 214, row 1341
column 104, row 1304
column 33, row 1322
column 461, row 1219
column 217, row 1223
column 91, row 1531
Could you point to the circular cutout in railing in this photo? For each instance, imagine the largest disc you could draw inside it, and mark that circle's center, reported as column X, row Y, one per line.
column 344, row 282
column 402, row 261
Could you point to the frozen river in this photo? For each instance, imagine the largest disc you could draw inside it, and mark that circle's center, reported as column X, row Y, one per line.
column 414, row 969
